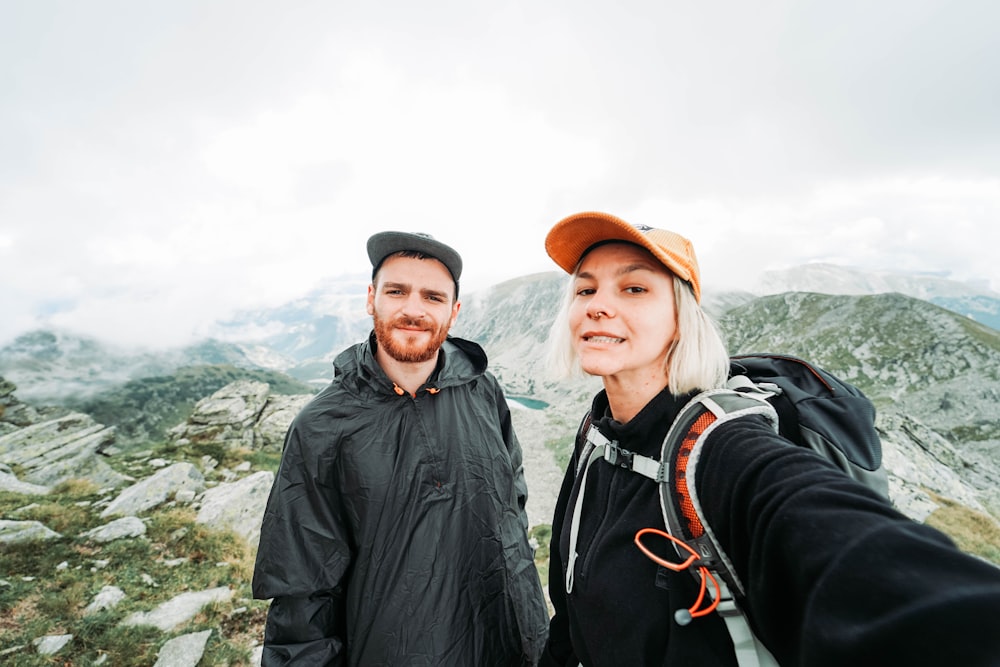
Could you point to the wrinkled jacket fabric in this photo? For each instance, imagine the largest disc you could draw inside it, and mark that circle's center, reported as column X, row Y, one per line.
column 395, row 532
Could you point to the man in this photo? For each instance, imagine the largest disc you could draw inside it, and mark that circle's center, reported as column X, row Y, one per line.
column 395, row 532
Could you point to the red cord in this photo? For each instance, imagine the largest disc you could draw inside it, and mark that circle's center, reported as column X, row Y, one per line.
column 704, row 572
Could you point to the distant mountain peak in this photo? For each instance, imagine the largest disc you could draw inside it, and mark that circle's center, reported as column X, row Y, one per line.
column 826, row 278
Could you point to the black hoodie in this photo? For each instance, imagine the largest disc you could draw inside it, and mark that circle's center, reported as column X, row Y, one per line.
column 835, row 575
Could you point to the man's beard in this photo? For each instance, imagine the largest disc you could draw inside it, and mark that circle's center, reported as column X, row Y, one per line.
column 408, row 351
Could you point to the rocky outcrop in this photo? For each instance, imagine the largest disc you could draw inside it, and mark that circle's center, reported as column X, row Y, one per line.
column 56, row 450
column 51, row 644
column 269, row 431
column 156, row 490
column 921, row 462
column 242, row 415
column 13, row 413
column 238, row 506
column 185, row 650
column 10, row 482
column 235, row 506
column 228, row 416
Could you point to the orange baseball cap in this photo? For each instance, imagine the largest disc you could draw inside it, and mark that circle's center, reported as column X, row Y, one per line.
column 570, row 239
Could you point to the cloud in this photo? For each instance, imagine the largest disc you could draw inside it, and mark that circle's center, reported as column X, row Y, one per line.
column 164, row 166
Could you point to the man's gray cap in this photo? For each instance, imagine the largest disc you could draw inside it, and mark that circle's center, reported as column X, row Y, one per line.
column 383, row 244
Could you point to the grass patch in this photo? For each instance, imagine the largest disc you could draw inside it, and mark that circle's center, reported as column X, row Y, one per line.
column 562, row 449
column 62, row 517
column 264, row 460
column 542, row 534
column 974, row 532
column 225, row 457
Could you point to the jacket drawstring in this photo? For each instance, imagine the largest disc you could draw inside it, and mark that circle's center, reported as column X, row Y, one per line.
column 402, row 392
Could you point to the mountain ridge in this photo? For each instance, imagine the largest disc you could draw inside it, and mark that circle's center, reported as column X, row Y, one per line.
column 907, row 352
column 972, row 300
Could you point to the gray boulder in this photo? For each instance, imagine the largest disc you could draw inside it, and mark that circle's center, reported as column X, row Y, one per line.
column 269, row 432
column 183, row 651
column 178, row 610
column 242, row 415
column 238, row 506
column 51, row 644
column 156, row 490
column 107, row 598
column 227, row 416
column 127, row 526
column 10, row 483
column 13, row 532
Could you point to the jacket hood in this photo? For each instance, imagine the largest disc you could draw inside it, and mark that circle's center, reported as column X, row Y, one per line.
column 459, row 361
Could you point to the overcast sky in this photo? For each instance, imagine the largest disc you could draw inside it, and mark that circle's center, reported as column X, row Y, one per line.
column 164, row 164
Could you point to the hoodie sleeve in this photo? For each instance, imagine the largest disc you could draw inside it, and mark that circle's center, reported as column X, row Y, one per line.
column 303, row 555
column 836, row 576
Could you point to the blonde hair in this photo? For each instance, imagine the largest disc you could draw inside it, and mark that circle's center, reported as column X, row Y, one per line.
column 696, row 360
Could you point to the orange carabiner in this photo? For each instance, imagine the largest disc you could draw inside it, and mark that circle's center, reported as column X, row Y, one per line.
column 684, row 616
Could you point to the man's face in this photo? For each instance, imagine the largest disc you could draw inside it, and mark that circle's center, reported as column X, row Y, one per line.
column 413, row 307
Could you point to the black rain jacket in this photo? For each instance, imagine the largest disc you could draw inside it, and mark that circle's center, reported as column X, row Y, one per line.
column 395, row 532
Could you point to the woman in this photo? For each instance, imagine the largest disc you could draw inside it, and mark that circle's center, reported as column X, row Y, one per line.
column 835, row 575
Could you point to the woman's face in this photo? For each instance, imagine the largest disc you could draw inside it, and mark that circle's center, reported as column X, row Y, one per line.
column 622, row 318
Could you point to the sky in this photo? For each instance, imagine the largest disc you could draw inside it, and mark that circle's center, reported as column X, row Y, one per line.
column 165, row 165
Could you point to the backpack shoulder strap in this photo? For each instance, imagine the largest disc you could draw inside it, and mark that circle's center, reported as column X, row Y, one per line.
column 682, row 511
column 680, row 454
column 590, row 446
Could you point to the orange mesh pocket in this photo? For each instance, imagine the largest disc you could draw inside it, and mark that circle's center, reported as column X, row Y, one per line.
column 694, row 527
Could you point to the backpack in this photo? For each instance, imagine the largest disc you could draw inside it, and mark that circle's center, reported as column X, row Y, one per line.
column 806, row 404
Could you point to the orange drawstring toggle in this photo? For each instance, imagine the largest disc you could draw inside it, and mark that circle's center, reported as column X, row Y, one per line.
column 402, row 392
column 684, row 616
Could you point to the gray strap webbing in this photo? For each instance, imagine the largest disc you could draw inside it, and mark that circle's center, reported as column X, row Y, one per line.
column 748, row 387
column 616, row 456
column 647, row 467
column 750, row 652
column 596, row 445
column 743, row 639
